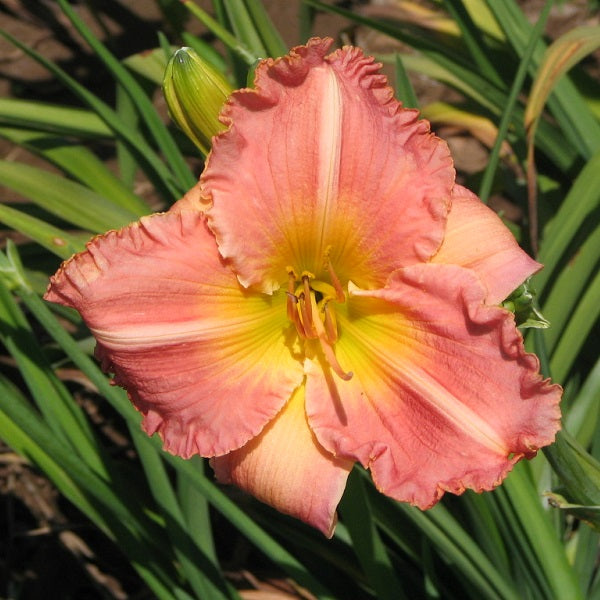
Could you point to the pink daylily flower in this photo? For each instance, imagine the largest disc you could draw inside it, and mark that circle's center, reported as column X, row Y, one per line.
column 327, row 294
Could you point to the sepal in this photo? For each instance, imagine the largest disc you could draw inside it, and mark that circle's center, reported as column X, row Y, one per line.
column 522, row 303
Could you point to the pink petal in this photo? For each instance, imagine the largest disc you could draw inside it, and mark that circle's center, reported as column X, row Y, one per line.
column 478, row 239
column 443, row 396
column 287, row 468
column 326, row 163
column 204, row 361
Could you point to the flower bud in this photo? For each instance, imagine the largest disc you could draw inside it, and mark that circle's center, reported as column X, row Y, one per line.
column 195, row 92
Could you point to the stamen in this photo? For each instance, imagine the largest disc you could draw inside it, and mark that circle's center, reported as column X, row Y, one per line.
column 339, row 291
column 330, row 324
column 294, row 315
column 292, row 299
column 328, row 348
column 308, row 316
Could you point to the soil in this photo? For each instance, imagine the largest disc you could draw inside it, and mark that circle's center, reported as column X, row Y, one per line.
column 47, row 548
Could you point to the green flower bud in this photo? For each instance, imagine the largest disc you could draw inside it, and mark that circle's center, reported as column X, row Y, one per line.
column 195, row 92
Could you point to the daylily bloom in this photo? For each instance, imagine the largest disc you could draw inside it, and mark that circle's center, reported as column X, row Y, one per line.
column 327, row 294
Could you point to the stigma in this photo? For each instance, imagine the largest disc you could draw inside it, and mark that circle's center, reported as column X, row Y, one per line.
column 309, row 307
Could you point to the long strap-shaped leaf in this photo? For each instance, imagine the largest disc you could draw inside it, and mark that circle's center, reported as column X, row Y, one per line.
column 575, row 119
column 52, row 238
column 53, row 118
column 239, row 48
column 580, row 203
column 451, row 541
column 507, row 117
column 201, row 572
column 80, row 163
column 155, row 168
column 356, row 511
column 541, row 539
column 20, row 426
column 63, row 198
column 569, row 287
column 150, row 117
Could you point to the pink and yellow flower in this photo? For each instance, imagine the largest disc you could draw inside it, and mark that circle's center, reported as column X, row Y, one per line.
column 326, row 294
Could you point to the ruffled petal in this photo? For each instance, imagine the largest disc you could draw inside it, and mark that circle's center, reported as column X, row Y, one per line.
column 477, row 239
column 206, row 362
column 287, row 468
column 443, row 396
column 326, row 163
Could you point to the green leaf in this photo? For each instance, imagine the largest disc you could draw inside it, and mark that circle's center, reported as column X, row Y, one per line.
column 155, row 169
column 589, row 514
column 272, row 41
column 80, row 163
column 577, row 207
column 91, row 494
column 356, row 512
column 152, row 121
column 201, row 572
column 60, row 120
column 578, row 470
column 449, row 538
column 586, row 556
column 55, row 403
column 150, row 64
column 56, row 240
column 507, row 115
column 237, row 46
column 64, row 198
column 541, row 540
column 126, row 157
column 20, row 439
column 577, row 330
column 575, row 119
column 243, row 27
column 568, row 288
column 196, row 512
column 473, row 40
column 404, row 89
column 583, row 416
